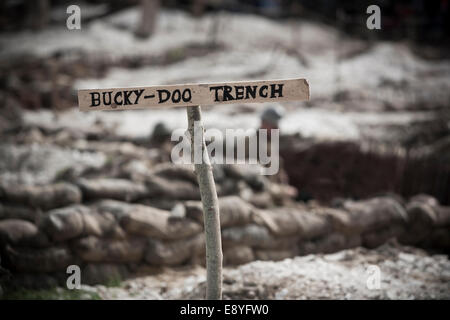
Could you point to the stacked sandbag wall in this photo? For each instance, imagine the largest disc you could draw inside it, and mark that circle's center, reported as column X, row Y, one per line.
column 113, row 228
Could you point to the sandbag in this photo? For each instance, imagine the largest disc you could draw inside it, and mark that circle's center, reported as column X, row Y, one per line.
column 151, row 222
column 117, row 189
column 293, row 221
column 65, row 223
column 276, row 255
column 376, row 238
column 93, row 249
column 281, row 193
column 422, row 218
column 20, row 232
column 362, row 216
column 171, row 188
column 45, row 197
column 262, row 200
column 118, row 209
column 330, row 243
column 172, row 171
column 233, row 211
column 440, row 216
column 102, row 224
column 169, row 253
column 249, row 173
column 254, row 236
column 78, row 220
column 40, row 260
column 238, row 255
column 13, row 211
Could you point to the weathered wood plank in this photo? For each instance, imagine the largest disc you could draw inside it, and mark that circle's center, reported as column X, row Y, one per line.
column 193, row 94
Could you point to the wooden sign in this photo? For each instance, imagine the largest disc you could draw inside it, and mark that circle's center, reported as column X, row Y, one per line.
column 193, row 94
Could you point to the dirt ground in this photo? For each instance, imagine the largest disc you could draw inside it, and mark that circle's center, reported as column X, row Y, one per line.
column 405, row 273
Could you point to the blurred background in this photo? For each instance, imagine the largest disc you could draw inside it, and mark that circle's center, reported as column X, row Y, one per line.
column 377, row 128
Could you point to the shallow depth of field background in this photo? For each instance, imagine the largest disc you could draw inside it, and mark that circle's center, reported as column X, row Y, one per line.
column 377, row 126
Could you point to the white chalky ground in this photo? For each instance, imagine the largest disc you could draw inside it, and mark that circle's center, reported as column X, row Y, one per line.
column 405, row 273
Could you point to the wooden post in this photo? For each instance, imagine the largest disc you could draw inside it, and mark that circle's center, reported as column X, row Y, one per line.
column 192, row 96
column 210, row 203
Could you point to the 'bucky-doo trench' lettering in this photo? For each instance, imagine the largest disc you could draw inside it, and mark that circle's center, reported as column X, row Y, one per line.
column 195, row 94
column 229, row 93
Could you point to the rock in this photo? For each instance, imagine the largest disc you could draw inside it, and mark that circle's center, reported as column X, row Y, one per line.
column 18, row 212
column 233, row 211
column 238, row 255
column 40, row 260
column 21, row 233
column 45, row 197
column 93, row 249
column 117, row 189
column 152, row 222
column 103, row 273
column 293, row 221
column 174, row 252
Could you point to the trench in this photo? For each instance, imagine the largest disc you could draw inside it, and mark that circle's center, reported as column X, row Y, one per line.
column 329, row 170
